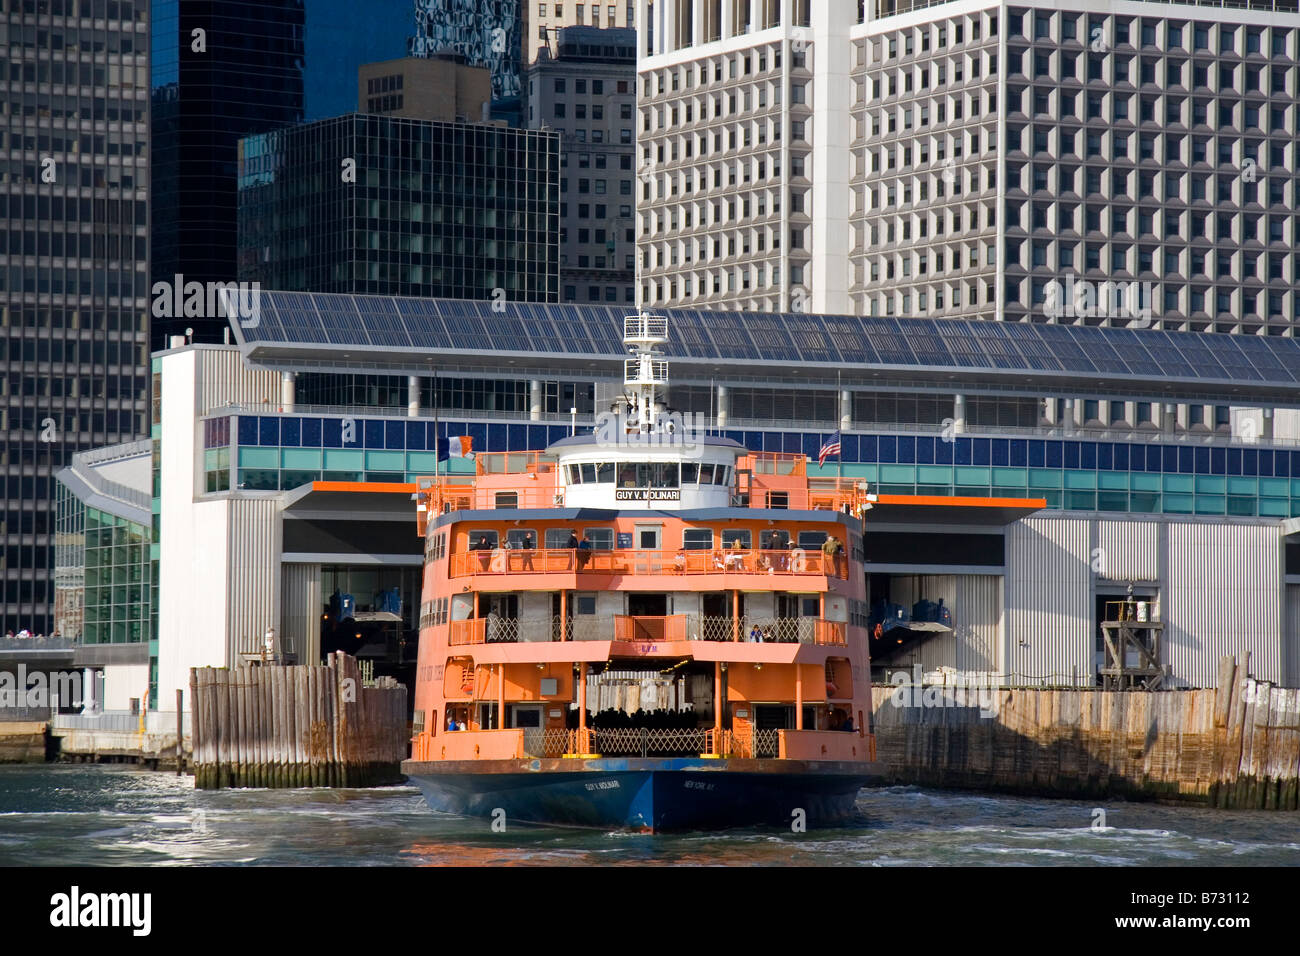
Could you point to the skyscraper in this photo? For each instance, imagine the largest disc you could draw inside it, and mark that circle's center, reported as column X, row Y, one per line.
column 223, row 69
column 1133, row 166
column 394, row 206
column 73, row 266
column 489, row 33
column 586, row 92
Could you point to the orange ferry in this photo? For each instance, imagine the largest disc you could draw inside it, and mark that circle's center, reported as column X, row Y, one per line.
column 645, row 626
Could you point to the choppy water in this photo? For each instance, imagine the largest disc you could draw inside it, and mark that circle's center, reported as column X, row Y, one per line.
column 105, row 815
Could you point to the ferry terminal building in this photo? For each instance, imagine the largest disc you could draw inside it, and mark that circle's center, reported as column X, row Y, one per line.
column 271, row 510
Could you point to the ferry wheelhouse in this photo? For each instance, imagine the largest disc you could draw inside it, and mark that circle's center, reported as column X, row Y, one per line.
column 643, row 626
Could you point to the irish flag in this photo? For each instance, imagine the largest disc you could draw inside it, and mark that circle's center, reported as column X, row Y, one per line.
column 460, row 446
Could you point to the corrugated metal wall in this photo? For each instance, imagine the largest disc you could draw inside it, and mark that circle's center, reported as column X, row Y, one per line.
column 254, row 569
column 977, row 620
column 1291, row 636
column 1223, row 597
column 1049, row 600
column 300, row 611
column 1127, row 550
column 223, row 379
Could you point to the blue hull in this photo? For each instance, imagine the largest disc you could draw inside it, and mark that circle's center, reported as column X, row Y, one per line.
column 645, row 794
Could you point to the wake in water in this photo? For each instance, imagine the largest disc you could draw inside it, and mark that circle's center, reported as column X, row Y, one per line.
column 117, row 816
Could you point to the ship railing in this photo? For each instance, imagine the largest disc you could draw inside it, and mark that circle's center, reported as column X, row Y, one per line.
column 766, row 630
column 723, row 561
column 505, row 630
column 539, row 742
column 668, row 627
column 649, row 628
column 745, row 743
column 648, row 742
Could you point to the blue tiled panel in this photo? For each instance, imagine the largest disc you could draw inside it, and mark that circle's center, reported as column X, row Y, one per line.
column 311, row 429
column 247, row 429
column 291, row 432
column 268, row 430
column 416, row 433
column 373, row 431
column 394, row 434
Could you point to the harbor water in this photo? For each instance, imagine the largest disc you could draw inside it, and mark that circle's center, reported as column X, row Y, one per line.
column 119, row 816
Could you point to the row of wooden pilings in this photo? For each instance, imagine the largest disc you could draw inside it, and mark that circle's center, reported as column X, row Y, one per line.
column 300, row 726
column 1235, row 746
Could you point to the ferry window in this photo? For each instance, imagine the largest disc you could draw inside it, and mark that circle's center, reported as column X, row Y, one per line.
column 774, row 540
column 605, row 473
column 690, row 472
column 507, row 499
column 584, row 604
column 602, row 539
column 557, row 539
column 575, row 475
column 627, row 476
column 811, row 607
column 588, row 472
column 664, row 474
column 778, row 499
column 697, row 539
column 706, row 474
column 520, row 537
column 736, row 537
column 720, row 473
column 812, row 539
column 482, row 540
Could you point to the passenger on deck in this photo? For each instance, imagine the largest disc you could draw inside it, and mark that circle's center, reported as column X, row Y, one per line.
column 527, row 547
column 755, row 635
column 679, row 562
column 485, row 552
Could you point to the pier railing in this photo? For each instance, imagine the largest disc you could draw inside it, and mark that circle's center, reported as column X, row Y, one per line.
column 797, row 562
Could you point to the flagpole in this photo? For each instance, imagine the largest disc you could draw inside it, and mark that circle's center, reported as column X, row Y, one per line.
column 436, row 460
column 839, row 458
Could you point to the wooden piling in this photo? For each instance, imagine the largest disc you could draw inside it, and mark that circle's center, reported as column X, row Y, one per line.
column 271, row 726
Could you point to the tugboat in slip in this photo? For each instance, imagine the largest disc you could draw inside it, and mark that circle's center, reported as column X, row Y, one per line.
column 643, row 627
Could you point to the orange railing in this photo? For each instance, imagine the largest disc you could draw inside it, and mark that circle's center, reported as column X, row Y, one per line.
column 675, row 627
column 829, row 632
column 797, row 561
column 671, row 627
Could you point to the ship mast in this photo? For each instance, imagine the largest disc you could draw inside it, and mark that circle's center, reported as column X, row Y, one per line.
column 645, row 372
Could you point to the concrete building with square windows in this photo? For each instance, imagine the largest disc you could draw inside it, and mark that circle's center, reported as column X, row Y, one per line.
column 1044, row 163
column 586, row 93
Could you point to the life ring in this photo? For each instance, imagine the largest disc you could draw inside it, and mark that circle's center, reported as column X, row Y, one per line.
column 798, row 560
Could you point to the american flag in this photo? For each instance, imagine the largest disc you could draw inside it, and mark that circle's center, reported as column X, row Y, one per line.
column 830, row 447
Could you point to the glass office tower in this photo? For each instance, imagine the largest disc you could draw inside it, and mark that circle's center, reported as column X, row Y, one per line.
column 224, row 69
column 73, row 264
column 398, row 206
